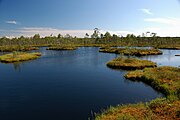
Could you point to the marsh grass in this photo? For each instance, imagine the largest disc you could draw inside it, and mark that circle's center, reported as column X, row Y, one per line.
column 129, row 63
column 62, row 47
column 17, row 48
column 164, row 79
column 131, row 51
column 159, row 109
column 169, row 47
column 18, row 57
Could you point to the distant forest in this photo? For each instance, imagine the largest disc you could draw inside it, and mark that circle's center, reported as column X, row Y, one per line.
column 95, row 38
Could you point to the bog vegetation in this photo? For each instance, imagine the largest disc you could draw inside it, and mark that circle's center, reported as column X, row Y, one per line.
column 62, row 47
column 164, row 79
column 131, row 51
column 159, row 109
column 17, row 48
column 130, row 63
column 18, row 57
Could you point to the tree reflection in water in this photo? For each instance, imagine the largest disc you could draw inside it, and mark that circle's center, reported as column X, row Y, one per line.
column 17, row 66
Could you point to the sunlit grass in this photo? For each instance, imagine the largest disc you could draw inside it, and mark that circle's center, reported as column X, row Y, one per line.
column 131, row 51
column 130, row 63
column 171, row 47
column 164, row 79
column 62, row 47
column 18, row 57
column 159, row 109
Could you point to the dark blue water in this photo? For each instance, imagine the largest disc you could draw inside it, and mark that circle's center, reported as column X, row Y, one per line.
column 68, row 85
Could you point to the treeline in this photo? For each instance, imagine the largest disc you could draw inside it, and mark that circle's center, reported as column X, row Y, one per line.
column 96, row 38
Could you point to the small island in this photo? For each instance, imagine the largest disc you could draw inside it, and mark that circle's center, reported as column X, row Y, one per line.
column 62, row 48
column 18, row 57
column 131, row 51
column 165, row 80
column 130, row 63
column 17, row 48
column 169, row 47
column 111, row 50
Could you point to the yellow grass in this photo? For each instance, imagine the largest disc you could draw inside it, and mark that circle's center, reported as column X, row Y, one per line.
column 18, row 57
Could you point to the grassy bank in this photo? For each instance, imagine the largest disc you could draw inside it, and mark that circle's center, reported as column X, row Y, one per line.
column 131, row 51
column 61, row 47
column 163, row 79
column 169, row 47
column 17, row 48
column 159, row 109
column 130, row 63
column 18, row 57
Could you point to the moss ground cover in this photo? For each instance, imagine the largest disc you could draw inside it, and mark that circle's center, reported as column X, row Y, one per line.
column 62, row 48
column 18, row 57
column 130, row 63
column 17, row 48
column 132, row 51
column 165, row 79
column 170, row 47
column 159, row 109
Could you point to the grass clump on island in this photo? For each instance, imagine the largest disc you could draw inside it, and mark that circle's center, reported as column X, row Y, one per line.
column 164, row 79
column 131, row 51
column 129, row 63
column 159, row 109
column 62, row 47
column 17, row 48
column 19, row 57
column 169, row 47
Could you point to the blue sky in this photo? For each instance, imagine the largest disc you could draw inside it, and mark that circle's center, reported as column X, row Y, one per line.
column 76, row 17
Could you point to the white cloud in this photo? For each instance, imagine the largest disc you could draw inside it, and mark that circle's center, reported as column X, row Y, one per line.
column 30, row 31
column 11, row 22
column 152, row 29
column 166, row 31
column 166, row 26
column 147, row 11
column 118, row 32
column 169, row 30
column 167, row 21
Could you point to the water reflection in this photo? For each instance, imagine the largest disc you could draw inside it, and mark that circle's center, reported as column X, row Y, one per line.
column 137, row 81
column 17, row 66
